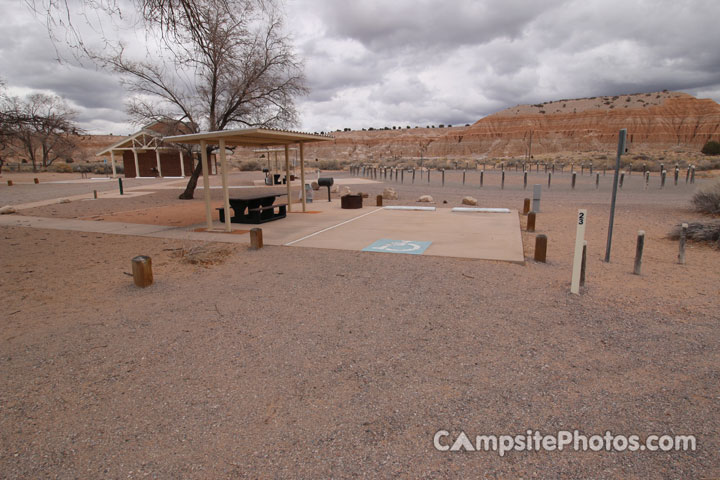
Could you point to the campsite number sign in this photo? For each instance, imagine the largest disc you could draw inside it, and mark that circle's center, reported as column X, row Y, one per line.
column 577, row 260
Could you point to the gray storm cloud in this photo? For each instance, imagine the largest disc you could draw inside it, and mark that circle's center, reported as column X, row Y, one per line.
column 374, row 63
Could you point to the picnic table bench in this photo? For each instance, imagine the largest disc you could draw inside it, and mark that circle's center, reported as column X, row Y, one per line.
column 255, row 209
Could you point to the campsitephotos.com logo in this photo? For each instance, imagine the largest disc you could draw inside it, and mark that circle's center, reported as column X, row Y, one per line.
column 534, row 440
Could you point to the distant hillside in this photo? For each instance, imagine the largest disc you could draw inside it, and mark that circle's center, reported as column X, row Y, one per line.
column 655, row 121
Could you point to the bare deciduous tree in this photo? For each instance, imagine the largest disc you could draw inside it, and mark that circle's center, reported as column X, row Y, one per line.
column 39, row 126
column 214, row 64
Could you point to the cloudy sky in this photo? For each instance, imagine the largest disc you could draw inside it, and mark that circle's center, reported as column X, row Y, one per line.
column 420, row 62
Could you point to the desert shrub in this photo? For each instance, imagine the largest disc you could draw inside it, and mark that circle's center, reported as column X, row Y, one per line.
column 327, row 164
column 81, row 168
column 101, row 169
column 707, row 198
column 708, row 231
column 249, row 166
column 711, row 148
column 60, row 168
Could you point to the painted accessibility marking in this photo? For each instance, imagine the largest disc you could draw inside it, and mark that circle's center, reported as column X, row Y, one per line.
column 386, row 245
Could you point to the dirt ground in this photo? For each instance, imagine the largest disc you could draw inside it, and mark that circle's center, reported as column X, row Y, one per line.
column 309, row 363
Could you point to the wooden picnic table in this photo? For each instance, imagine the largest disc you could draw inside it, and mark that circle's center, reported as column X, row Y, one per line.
column 255, row 208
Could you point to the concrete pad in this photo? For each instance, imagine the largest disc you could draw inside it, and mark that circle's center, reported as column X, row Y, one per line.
column 489, row 236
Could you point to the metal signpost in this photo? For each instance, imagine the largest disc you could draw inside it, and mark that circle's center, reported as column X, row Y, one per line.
column 621, row 149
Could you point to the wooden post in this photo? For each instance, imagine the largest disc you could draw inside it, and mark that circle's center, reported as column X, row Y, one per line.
column 226, row 193
column 428, row 174
column 622, row 179
column 413, row 176
column 583, row 265
column 502, row 180
column 549, row 178
column 577, row 259
column 687, row 175
column 464, row 177
column 120, row 185
column 256, row 237
column 142, row 271
column 379, row 200
column 541, row 248
column 443, row 177
column 524, row 179
column 402, row 175
column 677, row 174
column 531, row 222
column 597, row 181
column 95, row 194
column 572, row 182
column 287, row 178
column 482, row 177
column 662, row 178
column 10, row 183
column 639, row 252
column 302, row 178
column 206, row 185
column 692, row 174
column 683, row 240
column 36, row 180
column 647, row 179
column 526, row 206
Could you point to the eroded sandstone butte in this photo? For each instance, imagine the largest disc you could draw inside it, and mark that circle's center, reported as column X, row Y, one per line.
column 655, row 121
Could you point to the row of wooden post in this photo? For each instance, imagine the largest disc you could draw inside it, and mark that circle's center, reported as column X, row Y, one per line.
column 35, row 181
column 372, row 172
column 640, row 246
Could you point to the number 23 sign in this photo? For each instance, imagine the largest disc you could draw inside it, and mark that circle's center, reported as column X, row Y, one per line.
column 577, row 260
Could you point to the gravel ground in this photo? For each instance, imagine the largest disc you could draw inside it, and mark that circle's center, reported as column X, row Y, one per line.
column 307, row 363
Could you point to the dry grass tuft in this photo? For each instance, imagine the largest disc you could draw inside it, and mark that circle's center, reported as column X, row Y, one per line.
column 203, row 255
column 707, row 199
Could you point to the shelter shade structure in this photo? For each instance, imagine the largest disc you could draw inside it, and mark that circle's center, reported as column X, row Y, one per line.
column 145, row 153
column 248, row 137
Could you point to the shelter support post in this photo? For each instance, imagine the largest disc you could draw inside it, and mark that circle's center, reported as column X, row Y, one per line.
column 206, row 184
column 137, row 166
column 112, row 162
column 287, row 177
column 157, row 159
column 182, row 164
column 226, row 193
column 302, row 177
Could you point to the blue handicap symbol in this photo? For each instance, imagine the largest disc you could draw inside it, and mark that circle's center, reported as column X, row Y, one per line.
column 385, row 245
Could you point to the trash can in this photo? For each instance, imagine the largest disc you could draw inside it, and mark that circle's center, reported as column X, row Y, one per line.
column 351, row 201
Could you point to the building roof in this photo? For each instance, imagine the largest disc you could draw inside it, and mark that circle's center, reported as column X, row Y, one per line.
column 250, row 136
column 142, row 140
